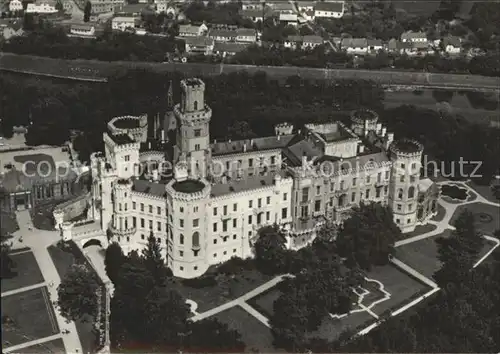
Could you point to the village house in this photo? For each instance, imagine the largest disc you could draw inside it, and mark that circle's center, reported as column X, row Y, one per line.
column 282, row 7
column 251, row 5
column 199, row 45
column 246, row 35
column 334, row 9
column 11, row 29
column 131, row 9
column 15, row 5
column 374, row 45
column 303, row 42
column 192, row 31
column 356, row 46
column 288, row 19
column 121, row 23
column 413, row 37
column 42, row 7
column 256, row 15
column 83, row 30
column 164, row 6
column 304, row 6
column 225, row 49
column 222, row 35
column 452, row 44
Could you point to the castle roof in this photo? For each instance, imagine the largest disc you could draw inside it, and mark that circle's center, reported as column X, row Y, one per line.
column 245, row 184
column 257, row 144
column 121, row 139
column 148, row 187
column 334, row 6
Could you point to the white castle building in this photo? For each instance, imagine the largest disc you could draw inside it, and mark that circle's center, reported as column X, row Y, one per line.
column 207, row 202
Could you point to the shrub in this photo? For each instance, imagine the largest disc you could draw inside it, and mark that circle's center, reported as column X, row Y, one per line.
column 201, row 282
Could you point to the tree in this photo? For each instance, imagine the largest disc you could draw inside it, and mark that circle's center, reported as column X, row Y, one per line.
column 7, row 264
column 113, row 261
column 270, row 250
column 87, row 10
column 154, row 262
column 367, row 237
column 59, row 5
column 77, row 293
column 460, row 251
column 213, row 336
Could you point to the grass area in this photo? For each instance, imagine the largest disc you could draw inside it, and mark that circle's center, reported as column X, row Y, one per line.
column 26, row 271
column 400, row 285
column 487, row 225
column 454, row 192
column 485, row 191
column 264, row 302
column 254, row 334
column 225, row 289
column 9, row 223
column 27, row 316
column 54, row 346
column 64, row 257
column 374, row 294
column 422, row 255
column 417, row 8
column 420, row 230
column 331, row 328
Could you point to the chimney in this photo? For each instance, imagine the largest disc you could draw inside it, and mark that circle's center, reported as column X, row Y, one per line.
column 379, row 128
column 229, row 141
column 384, row 131
column 251, row 142
column 163, row 135
column 361, row 148
column 279, row 137
column 215, row 141
column 245, row 147
column 224, row 179
column 149, row 145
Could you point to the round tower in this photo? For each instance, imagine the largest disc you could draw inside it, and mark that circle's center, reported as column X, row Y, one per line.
column 363, row 121
column 121, row 225
column 406, row 157
column 188, row 203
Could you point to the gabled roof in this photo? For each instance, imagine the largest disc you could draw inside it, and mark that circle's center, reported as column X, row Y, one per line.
column 246, row 32
column 334, row 6
column 230, row 47
column 131, row 8
column 453, row 41
column 305, row 39
column 82, row 27
column 222, row 33
column 189, row 29
column 288, row 17
column 354, row 43
column 199, row 41
column 410, row 35
column 374, row 42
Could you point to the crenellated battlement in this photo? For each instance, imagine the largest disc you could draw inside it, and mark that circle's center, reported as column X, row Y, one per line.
column 283, row 128
column 406, row 148
column 362, row 116
column 121, row 147
column 188, row 190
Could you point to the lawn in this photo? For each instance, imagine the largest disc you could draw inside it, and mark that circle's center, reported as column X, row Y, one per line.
column 487, row 216
column 422, row 255
column 485, row 191
column 227, row 288
column 400, row 285
column 54, row 346
column 264, row 302
column 374, row 294
column 27, row 272
column 27, row 316
column 420, row 230
column 331, row 328
column 63, row 259
column 254, row 334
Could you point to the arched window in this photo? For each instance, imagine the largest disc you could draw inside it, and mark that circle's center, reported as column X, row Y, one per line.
column 181, row 239
column 196, row 239
column 195, row 105
column 400, row 193
column 411, row 192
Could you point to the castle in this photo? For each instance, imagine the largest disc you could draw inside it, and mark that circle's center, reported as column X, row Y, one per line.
column 206, row 202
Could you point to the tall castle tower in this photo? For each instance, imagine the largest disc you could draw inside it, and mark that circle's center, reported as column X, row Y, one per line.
column 193, row 136
column 406, row 156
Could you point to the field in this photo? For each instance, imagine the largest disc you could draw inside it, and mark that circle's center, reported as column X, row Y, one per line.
column 93, row 70
column 264, row 302
column 27, row 316
column 226, row 289
column 54, row 346
column 28, row 272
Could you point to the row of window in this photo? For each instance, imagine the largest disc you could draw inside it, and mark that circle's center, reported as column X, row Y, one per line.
column 150, row 208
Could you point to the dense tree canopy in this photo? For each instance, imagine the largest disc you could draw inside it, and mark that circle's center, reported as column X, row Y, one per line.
column 367, row 237
column 77, row 293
